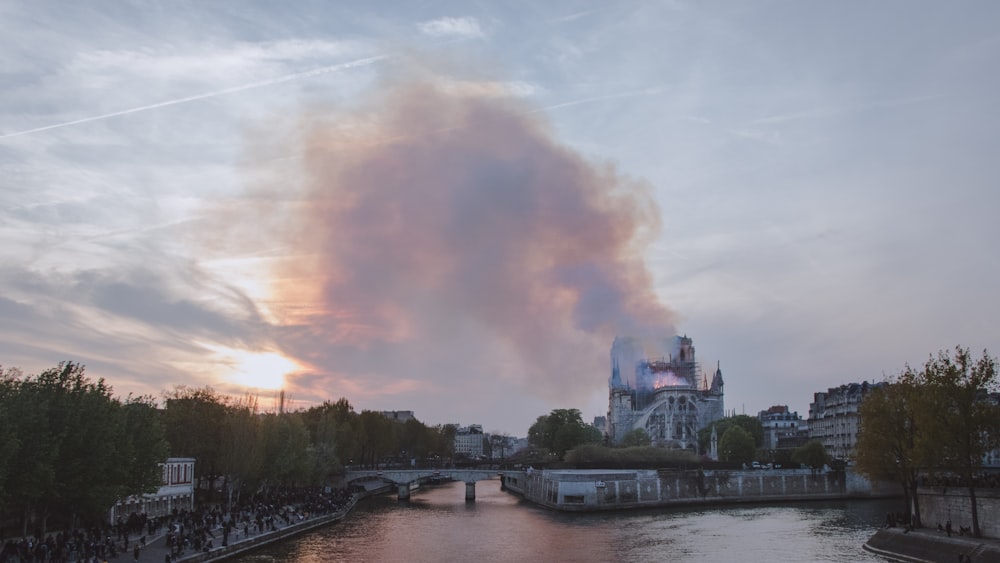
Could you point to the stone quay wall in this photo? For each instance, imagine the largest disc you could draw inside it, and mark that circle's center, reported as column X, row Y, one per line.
column 940, row 504
column 593, row 490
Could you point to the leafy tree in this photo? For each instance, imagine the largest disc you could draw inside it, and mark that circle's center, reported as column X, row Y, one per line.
column 736, row 445
column 812, row 453
column 444, row 441
column 286, row 441
column 9, row 443
column 888, row 440
column 148, row 446
column 415, row 439
column 374, row 437
column 750, row 424
column 73, row 448
column 500, row 442
column 333, row 429
column 195, row 422
column 562, row 430
column 636, row 438
column 31, row 468
column 241, row 458
column 324, row 450
column 966, row 423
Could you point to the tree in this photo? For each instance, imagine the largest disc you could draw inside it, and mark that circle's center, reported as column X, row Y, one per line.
column 966, row 423
column 888, row 440
column 9, row 443
column 374, row 436
column 750, row 424
column 635, row 438
column 241, row 458
column 71, row 448
column 195, row 423
column 562, row 430
column 500, row 442
column 286, row 441
column 148, row 446
column 736, row 445
column 812, row 453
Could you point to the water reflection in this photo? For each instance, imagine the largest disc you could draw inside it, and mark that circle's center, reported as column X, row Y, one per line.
column 438, row 525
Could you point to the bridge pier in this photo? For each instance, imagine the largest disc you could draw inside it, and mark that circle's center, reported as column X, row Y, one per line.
column 470, row 491
column 403, row 491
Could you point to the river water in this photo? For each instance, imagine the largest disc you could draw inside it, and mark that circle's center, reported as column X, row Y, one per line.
column 438, row 525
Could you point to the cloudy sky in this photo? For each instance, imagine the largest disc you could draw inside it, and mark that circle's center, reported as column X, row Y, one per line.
column 453, row 207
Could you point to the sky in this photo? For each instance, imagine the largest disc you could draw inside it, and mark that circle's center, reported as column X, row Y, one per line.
column 454, row 207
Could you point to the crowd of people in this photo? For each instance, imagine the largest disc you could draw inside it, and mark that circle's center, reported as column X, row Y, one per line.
column 208, row 527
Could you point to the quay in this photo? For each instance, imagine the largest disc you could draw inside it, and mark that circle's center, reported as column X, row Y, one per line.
column 587, row 490
column 926, row 545
column 157, row 550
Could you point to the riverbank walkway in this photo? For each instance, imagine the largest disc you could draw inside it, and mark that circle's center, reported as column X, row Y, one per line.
column 927, row 545
column 156, row 549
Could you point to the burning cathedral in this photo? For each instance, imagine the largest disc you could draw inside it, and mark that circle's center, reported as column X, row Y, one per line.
column 661, row 395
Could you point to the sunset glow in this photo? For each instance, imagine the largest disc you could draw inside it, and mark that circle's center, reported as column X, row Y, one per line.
column 258, row 370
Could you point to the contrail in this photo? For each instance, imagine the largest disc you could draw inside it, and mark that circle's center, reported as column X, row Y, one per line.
column 322, row 70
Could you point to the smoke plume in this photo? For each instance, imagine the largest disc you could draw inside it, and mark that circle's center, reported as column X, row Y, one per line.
column 440, row 235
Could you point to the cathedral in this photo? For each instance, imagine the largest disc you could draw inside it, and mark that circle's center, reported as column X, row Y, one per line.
column 655, row 386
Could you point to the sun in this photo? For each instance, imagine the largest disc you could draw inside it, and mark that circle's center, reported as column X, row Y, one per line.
column 259, row 370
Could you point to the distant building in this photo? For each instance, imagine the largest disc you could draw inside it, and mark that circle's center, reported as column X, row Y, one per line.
column 469, row 441
column 398, row 416
column 176, row 493
column 782, row 428
column 658, row 390
column 834, row 419
column 601, row 424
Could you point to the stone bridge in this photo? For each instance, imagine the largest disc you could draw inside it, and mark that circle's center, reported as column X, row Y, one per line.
column 403, row 478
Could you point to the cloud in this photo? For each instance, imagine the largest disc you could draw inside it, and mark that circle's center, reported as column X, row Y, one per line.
column 444, row 236
column 191, row 73
column 452, row 28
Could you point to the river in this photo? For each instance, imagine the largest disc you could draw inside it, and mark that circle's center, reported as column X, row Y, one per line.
column 438, row 525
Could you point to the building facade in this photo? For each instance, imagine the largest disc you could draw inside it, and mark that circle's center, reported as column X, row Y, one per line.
column 175, row 494
column 655, row 387
column 834, row 419
column 782, row 428
column 469, row 441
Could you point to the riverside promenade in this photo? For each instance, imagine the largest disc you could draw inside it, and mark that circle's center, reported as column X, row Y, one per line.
column 157, row 550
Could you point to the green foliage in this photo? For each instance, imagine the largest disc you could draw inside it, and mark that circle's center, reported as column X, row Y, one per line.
column 812, row 453
column 938, row 419
column 750, row 424
column 636, row 438
column 562, row 430
column 736, row 445
column 195, row 420
column 887, row 446
column 148, row 445
column 286, row 440
column 70, row 448
column 593, row 456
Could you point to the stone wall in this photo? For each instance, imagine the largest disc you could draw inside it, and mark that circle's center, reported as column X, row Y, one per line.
column 587, row 490
column 938, row 505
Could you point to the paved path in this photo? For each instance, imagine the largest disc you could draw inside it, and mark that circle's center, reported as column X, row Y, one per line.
column 156, row 549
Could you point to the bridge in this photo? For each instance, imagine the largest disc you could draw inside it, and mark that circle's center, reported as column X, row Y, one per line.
column 403, row 478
